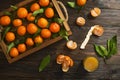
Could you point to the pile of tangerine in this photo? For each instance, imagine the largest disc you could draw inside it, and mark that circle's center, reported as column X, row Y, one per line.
column 31, row 28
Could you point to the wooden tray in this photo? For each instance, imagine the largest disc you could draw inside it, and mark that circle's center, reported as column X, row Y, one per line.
column 45, row 44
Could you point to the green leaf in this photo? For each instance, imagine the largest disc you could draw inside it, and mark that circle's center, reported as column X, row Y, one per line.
column 112, row 45
column 58, row 20
column 39, row 11
column 71, row 4
column 99, row 51
column 37, row 33
column 7, row 13
column 14, row 7
column 44, row 63
column 104, row 50
column 5, row 31
column 54, row 35
column 10, row 46
column 63, row 33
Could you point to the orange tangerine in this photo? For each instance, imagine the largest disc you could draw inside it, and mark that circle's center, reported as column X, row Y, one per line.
column 5, row 20
column 38, row 39
column 29, row 42
column 54, row 27
column 34, row 7
column 21, row 30
column 30, row 17
column 22, row 12
column 21, row 47
column 32, row 28
column 10, row 36
column 42, row 23
column 14, row 52
column 17, row 22
column 44, row 3
column 45, row 33
column 49, row 12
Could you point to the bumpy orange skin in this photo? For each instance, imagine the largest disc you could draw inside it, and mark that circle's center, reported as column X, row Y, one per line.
column 17, row 22
column 29, row 42
column 81, row 2
column 54, row 27
column 32, row 28
column 34, row 7
column 45, row 33
column 44, row 3
column 49, row 12
column 10, row 36
column 21, row 48
column 5, row 20
column 30, row 17
column 14, row 52
column 22, row 12
column 42, row 23
column 21, row 30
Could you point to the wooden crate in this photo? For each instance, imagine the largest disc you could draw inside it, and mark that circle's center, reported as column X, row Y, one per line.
column 45, row 44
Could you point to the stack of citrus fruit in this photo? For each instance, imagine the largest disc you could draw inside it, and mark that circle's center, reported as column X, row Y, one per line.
column 28, row 28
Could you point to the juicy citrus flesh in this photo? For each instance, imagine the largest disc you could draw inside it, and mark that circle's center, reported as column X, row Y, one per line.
column 90, row 64
column 5, row 20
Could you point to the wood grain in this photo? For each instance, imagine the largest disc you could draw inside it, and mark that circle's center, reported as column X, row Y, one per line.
column 27, row 68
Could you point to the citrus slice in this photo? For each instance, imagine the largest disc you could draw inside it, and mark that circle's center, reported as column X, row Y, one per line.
column 90, row 64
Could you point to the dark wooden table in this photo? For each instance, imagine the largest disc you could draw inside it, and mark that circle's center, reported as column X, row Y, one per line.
column 27, row 68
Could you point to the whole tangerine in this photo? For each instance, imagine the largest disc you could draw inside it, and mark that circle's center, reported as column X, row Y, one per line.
column 14, row 52
column 21, row 30
column 17, row 22
column 29, row 42
column 42, row 23
column 81, row 2
column 44, row 3
column 34, row 7
column 54, row 27
column 32, row 28
column 22, row 12
column 38, row 39
column 21, row 47
column 30, row 17
column 49, row 12
column 10, row 36
column 45, row 33
column 5, row 20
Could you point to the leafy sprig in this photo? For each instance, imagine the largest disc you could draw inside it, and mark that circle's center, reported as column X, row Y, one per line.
column 109, row 51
